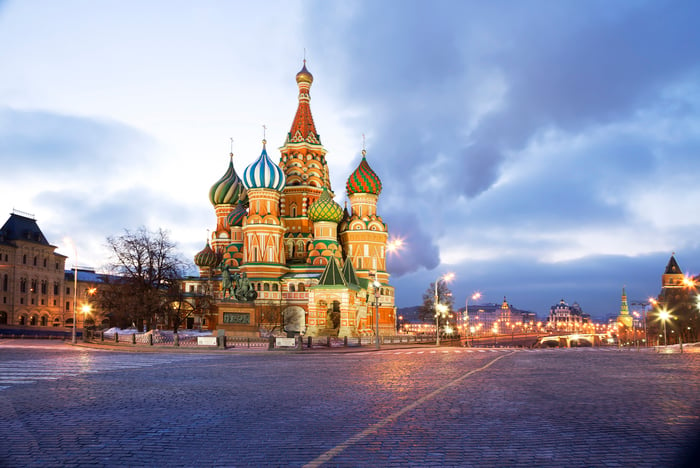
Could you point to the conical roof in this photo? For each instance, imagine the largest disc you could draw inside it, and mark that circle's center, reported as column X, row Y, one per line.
column 672, row 268
column 331, row 276
column 303, row 127
column 349, row 273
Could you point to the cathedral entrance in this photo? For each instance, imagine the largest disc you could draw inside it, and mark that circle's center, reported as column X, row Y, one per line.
column 294, row 320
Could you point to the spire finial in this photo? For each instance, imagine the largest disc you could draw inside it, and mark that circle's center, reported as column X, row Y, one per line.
column 304, row 56
column 364, row 151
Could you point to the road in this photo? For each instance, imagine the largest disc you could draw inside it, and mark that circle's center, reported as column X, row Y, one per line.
column 67, row 406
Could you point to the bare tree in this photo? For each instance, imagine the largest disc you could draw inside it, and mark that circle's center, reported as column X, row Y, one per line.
column 146, row 268
column 426, row 312
column 269, row 318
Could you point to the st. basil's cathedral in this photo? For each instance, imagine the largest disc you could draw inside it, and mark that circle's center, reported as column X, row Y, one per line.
column 314, row 266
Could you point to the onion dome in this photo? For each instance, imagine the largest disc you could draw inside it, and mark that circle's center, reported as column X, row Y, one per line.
column 206, row 257
column 227, row 190
column 364, row 179
column 305, row 75
column 263, row 173
column 325, row 209
column 235, row 217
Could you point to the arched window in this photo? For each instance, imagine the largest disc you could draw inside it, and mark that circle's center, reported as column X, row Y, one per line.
column 301, row 287
column 266, row 287
column 44, row 321
column 4, row 283
column 291, row 288
column 275, row 287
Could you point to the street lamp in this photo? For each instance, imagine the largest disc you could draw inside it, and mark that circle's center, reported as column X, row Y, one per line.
column 68, row 240
column 440, row 309
column 376, row 285
column 475, row 297
column 664, row 316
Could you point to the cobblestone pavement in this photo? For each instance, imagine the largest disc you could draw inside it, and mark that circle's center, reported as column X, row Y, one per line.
column 395, row 407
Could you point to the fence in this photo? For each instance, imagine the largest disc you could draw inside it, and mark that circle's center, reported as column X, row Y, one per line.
column 161, row 339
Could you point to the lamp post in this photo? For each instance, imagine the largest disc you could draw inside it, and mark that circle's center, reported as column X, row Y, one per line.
column 664, row 315
column 475, row 296
column 74, row 338
column 440, row 310
column 376, row 285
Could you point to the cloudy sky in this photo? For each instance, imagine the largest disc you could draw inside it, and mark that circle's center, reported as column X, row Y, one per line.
column 539, row 150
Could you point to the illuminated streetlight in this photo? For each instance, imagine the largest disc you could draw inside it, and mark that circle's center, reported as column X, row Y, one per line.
column 664, row 316
column 376, row 285
column 440, row 310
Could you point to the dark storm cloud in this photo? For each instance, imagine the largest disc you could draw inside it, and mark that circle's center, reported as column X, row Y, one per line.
column 569, row 65
column 459, row 93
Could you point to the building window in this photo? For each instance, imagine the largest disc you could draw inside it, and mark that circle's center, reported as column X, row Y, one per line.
column 34, row 261
column 55, row 289
column 45, row 263
column 67, row 290
column 44, row 287
column 23, row 285
column 67, row 305
column 4, row 282
column 24, row 259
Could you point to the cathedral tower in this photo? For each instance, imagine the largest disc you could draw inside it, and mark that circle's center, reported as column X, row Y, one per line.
column 363, row 233
column 263, row 230
column 303, row 160
column 227, row 195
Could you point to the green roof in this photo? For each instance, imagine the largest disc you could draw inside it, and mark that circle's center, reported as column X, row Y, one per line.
column 332, row 276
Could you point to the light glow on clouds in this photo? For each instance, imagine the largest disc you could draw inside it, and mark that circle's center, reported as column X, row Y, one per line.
column 538, row 154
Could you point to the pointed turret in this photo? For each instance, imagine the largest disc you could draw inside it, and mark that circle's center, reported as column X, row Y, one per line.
column 303, row 128
column 624, row 319
column 673, row 275
column 363, row 234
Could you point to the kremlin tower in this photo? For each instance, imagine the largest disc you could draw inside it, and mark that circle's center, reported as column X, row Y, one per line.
column 279, row 231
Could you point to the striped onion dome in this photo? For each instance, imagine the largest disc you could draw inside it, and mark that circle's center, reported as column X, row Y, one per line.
column 235, row 217
column 206, row 257
column 263, row 173
column 227, row 190
column 364, row 179
column 325, row 208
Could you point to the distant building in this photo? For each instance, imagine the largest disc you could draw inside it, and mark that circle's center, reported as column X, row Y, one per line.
column 563, row 316
column 502, row 317
column 35, row 289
